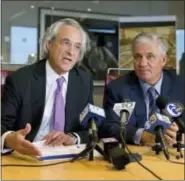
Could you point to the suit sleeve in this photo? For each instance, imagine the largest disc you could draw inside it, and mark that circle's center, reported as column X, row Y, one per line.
column 10, row 103
column 111, row 126
column 83, row 134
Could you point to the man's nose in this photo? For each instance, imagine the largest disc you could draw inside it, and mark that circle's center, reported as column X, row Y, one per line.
column 71, row 49
column 143, row 61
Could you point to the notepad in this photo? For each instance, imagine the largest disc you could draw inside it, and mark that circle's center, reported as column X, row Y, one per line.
column 58, row 152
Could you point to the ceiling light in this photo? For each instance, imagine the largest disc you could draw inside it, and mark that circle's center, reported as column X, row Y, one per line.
column 89, row 9
column 32, row 6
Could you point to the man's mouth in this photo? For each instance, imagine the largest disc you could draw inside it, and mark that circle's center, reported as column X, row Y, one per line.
column 67, row 60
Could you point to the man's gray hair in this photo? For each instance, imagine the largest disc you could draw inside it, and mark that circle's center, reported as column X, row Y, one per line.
column 52, row 31
column 145, row 36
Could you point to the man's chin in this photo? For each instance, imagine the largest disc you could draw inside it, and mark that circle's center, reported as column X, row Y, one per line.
column 66, row 68
column 144, row 78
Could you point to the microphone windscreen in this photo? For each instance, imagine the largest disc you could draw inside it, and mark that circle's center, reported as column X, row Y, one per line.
column 161, row 102
column 119, row 157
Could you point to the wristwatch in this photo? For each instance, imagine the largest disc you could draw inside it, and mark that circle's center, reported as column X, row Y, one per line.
column 75, row 139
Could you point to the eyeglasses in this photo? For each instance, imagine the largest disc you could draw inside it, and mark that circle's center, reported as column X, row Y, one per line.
column 69, row 44
column 149, row 57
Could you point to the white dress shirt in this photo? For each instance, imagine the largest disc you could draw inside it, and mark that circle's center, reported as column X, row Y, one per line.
column 51, row 85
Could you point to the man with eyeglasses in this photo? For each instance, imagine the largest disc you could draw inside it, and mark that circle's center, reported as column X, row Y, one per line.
column 43, row 101
column 143, row 86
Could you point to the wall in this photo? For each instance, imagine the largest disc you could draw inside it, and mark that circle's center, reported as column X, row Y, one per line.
column 19, row 13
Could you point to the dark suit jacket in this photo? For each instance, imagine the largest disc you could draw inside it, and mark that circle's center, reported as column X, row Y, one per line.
column 128, row 87
column 24, row 96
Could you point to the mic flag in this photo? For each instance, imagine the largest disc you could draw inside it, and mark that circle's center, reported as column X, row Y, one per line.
column 174, row 109
column 124, row 107
column 157, row 120
column 92, row 112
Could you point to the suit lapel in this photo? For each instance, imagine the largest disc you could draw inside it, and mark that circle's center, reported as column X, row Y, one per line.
column 72, row 95
column 38, row 91
column 137, row 96
column 166, row 88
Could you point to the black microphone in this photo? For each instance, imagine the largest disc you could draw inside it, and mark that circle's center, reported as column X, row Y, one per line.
column 173, row 110
column 157, row 124
column 92, row 117
column 124, row 110
column 118, row 155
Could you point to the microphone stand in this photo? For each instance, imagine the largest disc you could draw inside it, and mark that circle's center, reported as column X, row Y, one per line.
column 160, row 143
column 179, row 145
column 134, row 156
column 91, row 145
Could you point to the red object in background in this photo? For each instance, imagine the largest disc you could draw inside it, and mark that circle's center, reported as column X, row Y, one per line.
column 4, row 74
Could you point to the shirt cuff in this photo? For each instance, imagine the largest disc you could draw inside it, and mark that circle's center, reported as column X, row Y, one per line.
column 137, row 137
column 78, row 140
column 3, row 139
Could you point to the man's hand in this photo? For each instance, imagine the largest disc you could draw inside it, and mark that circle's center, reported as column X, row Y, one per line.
column 57, row 138
column 147, row 138
column 16, row 140
column 171, row 133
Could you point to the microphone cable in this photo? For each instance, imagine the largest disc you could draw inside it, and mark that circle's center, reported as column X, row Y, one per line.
column 32, row 165
column 146, row 168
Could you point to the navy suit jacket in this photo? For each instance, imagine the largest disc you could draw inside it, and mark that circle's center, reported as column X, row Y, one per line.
column 23, row 99
column 128, row 87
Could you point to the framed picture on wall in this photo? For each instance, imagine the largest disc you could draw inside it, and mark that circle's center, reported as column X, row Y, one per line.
column 102, row 31
column 165, row 26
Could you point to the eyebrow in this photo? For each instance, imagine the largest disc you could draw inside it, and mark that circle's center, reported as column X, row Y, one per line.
column 77, row 43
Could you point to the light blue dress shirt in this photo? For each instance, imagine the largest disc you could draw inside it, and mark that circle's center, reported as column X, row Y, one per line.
column 145, row 87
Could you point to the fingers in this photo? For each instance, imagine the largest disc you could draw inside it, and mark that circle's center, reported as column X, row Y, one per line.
column 169, row 140
column 59, row 140
column 173, row 127
column 55, row 138
column 26, row 130
column 147, row 138
column 171, row 134
column 26, row 147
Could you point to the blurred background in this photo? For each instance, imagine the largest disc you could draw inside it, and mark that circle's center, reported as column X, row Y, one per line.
column 20, row 22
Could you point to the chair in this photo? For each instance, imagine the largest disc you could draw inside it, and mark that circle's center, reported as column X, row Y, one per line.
column 112, row 74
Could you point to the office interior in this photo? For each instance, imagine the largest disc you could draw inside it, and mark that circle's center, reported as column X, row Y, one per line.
column 20, row 26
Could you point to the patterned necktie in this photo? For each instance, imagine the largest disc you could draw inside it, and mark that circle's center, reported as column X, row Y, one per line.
column 59, row 107
column 152, row 97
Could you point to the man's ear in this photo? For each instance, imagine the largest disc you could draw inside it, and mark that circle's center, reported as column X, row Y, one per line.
column 165, row 59
column 48, row 45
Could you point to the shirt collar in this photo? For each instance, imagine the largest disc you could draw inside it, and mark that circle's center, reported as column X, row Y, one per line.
column 157, row 86
column 52, row 76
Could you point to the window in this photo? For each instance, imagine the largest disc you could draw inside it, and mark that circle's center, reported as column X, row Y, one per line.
column 179, row 43
column 23, row 45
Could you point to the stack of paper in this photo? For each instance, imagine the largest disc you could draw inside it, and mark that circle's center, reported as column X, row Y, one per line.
column 58, row 152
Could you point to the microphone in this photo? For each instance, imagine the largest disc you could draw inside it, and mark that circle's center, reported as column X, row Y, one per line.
column 92, row 112
column 157, row 120
column 173, row 110
column 157, row 124
column 124, row 110
column 118, row 155
column 91, row 117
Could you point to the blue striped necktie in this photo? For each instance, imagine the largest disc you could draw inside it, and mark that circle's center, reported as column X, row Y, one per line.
column 152, row 100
